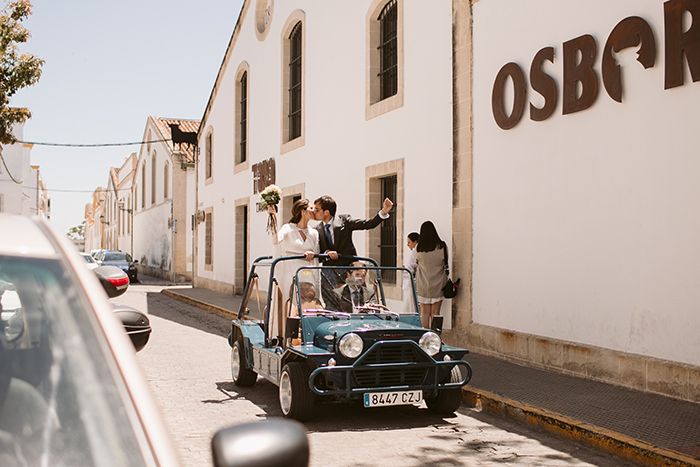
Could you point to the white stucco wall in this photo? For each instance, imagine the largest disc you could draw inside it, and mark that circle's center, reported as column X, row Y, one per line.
column 586, row 225
column 188, row 218
column 18, row 198
column 339, row 142
column 153, row 237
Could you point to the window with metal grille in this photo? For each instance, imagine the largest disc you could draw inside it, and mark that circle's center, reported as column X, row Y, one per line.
column 243, row 123
column 388, row 231
column 207, row 156
column 208, row 238
column 295, row 72
column 388, row 51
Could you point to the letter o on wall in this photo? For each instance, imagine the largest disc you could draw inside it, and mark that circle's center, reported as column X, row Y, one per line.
column 515, row 73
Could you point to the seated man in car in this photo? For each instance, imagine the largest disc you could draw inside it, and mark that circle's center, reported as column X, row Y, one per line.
column 355, row 292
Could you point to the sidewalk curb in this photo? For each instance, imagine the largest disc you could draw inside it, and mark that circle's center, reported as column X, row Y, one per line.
column 600, row 438
column 200, row 304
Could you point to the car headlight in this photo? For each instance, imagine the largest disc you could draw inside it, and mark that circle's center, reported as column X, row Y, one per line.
column 350, row 345
column 430, row 342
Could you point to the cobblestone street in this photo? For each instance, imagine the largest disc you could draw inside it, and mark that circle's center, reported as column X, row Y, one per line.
column 187, row 365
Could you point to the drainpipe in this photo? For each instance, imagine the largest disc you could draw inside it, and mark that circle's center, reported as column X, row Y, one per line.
column 195, row 227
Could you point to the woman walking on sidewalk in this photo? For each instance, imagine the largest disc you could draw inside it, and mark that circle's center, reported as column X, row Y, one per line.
column 431, row 259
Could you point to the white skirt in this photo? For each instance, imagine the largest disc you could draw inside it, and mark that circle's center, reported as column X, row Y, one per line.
column 429, row 301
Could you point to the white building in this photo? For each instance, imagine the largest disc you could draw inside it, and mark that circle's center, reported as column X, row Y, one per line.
column 163, row 198
column 304, row 100
column 576, row 216
column 567, row 198
column 22, row 190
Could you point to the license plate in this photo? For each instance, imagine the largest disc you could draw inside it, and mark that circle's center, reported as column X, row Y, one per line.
column 381, row 399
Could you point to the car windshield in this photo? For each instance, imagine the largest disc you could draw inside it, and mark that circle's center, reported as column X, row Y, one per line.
column 115, row 256
column 88, row 258
column 358, row 288
column 60, row 403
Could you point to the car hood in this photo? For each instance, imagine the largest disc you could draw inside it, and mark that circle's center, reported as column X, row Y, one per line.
column 370, row 328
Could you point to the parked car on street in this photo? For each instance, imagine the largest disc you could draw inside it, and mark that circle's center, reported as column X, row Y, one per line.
column 71, row 390
column 89, row 260
column 340, row 341
column 119, row 259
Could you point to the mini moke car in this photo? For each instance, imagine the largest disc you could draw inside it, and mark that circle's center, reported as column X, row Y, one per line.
column 333, row 335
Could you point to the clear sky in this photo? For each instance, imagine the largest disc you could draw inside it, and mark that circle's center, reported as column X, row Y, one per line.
column 110, row 64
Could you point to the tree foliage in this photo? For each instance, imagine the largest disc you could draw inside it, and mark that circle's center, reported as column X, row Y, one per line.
column 77, row 232
column 17, row 70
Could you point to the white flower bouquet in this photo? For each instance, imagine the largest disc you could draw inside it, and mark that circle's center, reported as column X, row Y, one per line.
column 271, row 196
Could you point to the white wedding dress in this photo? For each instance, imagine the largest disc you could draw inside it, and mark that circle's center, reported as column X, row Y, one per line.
column 293, row 241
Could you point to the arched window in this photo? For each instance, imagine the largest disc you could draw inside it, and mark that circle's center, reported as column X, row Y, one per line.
column 242, row 116
column 143, row 185
column 384, row 91
column 153, row 178
column 208, row 143
column 166, row 180
column 388, row 50
column 295, row 76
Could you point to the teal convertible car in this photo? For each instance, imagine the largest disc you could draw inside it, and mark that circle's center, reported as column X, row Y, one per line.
column 335, row 336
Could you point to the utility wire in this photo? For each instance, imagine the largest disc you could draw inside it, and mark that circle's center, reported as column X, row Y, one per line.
column 93, row 145
column 59, row 190
column 18, row 182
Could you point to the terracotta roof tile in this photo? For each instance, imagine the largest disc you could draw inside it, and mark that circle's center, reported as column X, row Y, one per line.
column 187, row 125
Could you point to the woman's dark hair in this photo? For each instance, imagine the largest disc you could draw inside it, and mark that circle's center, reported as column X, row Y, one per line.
column 298, row 207
column 414, row 237
column 429, row 238
column 327, row 204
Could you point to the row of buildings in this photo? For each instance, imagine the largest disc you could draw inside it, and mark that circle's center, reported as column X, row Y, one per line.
column 146, row 204
column 22, row 190
column 560, row 166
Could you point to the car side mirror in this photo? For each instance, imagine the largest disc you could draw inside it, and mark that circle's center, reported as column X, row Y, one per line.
column 136, row 324
column 276, row 442
column 113, row 280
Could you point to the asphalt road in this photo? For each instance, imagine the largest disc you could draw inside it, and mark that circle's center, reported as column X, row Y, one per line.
column 187, row 365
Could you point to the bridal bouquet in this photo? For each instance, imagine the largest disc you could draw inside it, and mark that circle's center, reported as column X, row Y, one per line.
column 271, row 196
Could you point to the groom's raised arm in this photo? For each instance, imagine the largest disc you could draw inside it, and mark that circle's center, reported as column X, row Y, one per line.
column 367, row 224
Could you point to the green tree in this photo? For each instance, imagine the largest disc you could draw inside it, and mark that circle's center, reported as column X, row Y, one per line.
column 17, row 70
column 77, row 232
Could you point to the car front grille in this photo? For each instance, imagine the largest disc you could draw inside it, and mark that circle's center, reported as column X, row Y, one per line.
column 388, row 353
column 391, row 353
column 377, row 378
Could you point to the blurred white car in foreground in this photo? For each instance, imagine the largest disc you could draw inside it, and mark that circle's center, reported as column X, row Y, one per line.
column 71, row 390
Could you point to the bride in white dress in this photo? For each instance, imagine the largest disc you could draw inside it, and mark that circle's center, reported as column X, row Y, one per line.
column 296, row 238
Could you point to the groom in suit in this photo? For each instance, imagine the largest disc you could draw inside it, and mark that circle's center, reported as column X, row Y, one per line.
column 335, row 232
column 335, row 240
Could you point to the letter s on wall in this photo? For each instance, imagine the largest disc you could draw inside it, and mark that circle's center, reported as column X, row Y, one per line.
column 543, row 84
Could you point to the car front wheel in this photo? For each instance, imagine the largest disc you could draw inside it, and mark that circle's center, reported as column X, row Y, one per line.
column 241, row 375
column 449, row 400
column 296, row 399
